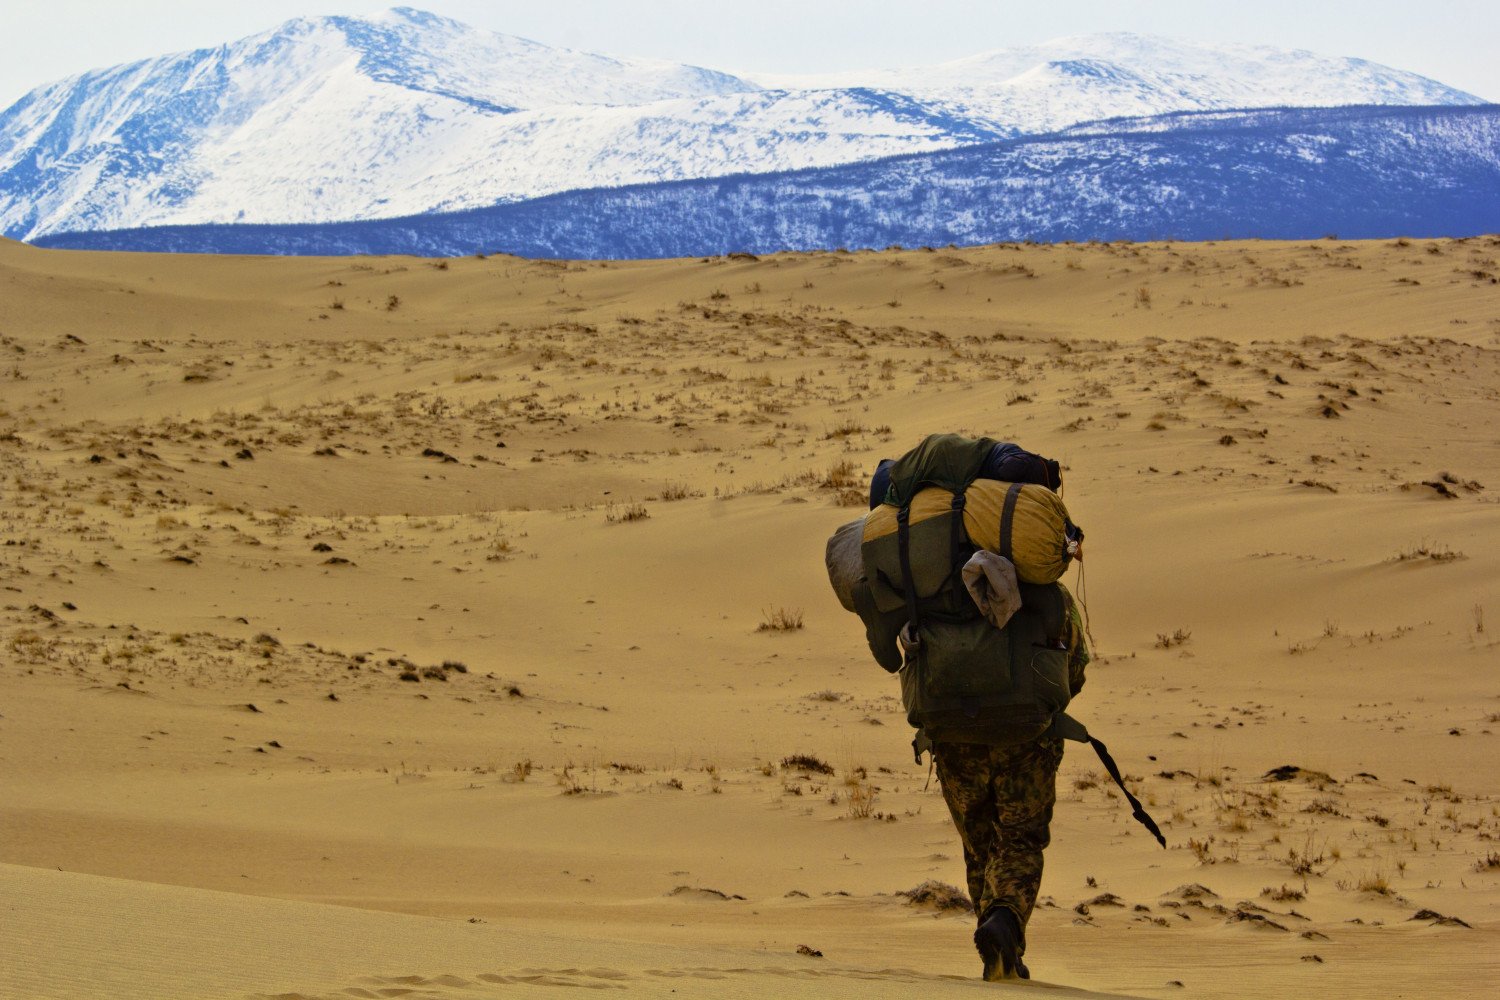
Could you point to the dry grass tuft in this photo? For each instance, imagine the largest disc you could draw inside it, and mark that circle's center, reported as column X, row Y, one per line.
column 1372, row 882
column 845, row 428
column 1425, row 552
column 860, row 798
column 623, row 513
column 1285, row 894
column 940, row 896
column 843, row 475
column 780, row 620
column 806, row 762
column 1178, row 637
column 679, row 491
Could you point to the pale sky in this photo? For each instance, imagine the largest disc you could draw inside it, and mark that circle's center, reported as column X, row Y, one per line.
column 1454, row 41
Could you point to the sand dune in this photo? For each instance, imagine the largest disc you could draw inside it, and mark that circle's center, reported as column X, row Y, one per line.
column 264, row 948
column 444, row 590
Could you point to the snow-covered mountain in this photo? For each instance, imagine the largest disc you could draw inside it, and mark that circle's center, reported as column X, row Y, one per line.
column 1212, row 75
column 403, row 113
column 1361, row 172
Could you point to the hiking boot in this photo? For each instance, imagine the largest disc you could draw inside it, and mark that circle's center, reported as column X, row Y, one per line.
column 1000, row 944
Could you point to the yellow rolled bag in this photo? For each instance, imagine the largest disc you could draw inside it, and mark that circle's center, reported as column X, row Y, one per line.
column 1033, row 534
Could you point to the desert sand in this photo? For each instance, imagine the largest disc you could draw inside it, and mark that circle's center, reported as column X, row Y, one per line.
column 459, row 628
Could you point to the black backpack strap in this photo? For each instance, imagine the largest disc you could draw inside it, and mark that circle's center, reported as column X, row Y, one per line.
column 908, row 585
column 1069, row 728
column 1008, row 515
column 956, row 533
column 920, row 744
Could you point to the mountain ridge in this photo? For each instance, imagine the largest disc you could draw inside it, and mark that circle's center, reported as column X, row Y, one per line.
column 405, row 113
column 1295, row 173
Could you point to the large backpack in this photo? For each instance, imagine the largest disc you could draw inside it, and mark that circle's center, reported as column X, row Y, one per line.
column 960, row 674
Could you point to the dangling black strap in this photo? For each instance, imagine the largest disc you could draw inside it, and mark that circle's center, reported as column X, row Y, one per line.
column 1069, row 728
column 1007, row 515
column 1136, row 809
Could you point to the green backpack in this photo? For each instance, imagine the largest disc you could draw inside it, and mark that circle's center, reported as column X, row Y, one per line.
column 966, row 680
column 962, row 678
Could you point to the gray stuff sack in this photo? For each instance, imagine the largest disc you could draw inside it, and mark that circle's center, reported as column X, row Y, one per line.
column 846, row 566
column 991, row 582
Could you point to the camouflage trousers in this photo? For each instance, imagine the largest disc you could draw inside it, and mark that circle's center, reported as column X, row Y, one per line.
column 1001, row 798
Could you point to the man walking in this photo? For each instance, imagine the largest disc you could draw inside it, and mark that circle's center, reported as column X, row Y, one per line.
column 954, row 572
column 1001, row 795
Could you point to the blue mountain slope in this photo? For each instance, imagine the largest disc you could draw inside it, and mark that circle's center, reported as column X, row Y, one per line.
column 1275, row 174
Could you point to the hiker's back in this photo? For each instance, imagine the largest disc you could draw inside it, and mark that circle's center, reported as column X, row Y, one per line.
column 955, row 573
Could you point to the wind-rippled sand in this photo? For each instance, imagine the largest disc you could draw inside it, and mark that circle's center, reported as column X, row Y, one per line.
column 393, row 627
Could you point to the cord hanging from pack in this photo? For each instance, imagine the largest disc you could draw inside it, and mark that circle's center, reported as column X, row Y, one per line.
column 1083, row 606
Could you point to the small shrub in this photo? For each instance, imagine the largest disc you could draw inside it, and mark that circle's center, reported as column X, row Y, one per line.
column 1284, row 894
column 844, row 475
column 846, row 428
column 861, row 796
column 1178, row 637
column 939, row 896
column 569, row 781
column 1434, row 552
column 678, row 491
column 1374, row 882
column 632, row 511
column 780, row 620
column 806, row 762
column 30, row 647
column 1305, row 862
